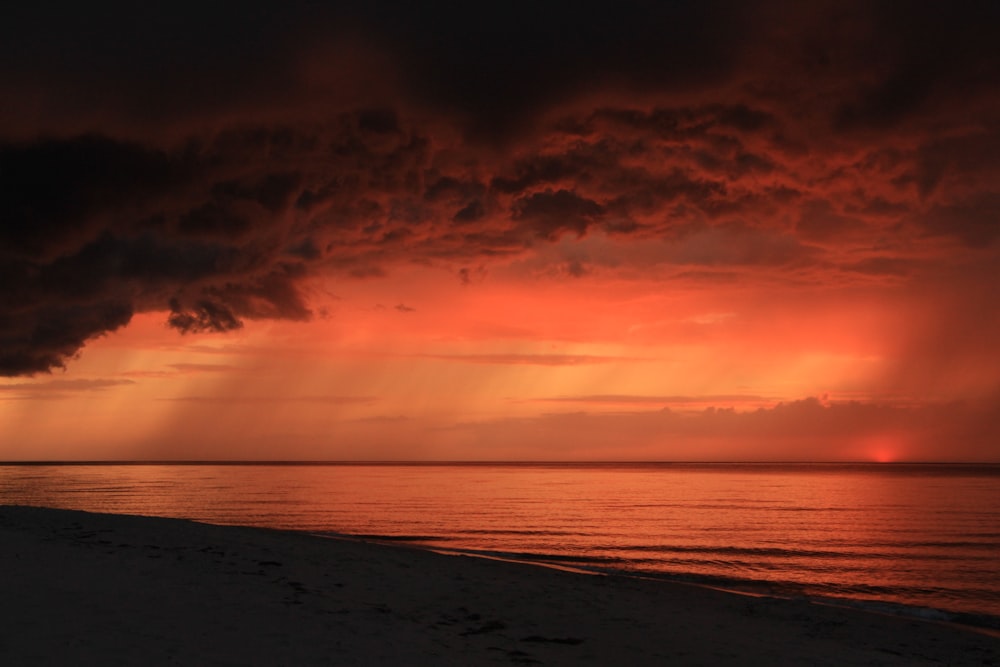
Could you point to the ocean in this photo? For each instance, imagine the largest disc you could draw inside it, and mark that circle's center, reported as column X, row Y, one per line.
column 912, row 539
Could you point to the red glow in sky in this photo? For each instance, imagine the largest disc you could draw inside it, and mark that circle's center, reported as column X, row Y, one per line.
column 694, row 232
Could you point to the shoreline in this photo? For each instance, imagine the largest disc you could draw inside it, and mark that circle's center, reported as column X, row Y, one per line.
column 981, row 622
column 119, row 589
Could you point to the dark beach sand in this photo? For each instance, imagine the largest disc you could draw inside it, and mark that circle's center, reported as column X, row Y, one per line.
column 79, row 588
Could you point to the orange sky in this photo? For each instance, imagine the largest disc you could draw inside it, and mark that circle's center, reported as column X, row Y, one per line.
column 420, row 365
column 780, row 246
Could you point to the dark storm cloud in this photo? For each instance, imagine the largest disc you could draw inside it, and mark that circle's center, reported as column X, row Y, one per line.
column 975, row 220
column 930, row 54
column 496, row 65
column 492, row 65
column 32, row 342
column 150, row 63
column 205, row 161
column 874, row 63
column 94, row 230
column 66, row 188
column 551, row 213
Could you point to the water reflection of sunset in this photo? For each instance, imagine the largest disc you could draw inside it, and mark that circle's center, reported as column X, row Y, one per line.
column 854, row 531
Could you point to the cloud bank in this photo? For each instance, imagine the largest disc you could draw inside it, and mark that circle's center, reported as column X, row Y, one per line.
column 209, row 163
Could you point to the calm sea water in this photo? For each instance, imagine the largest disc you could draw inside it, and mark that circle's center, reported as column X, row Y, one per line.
column 921, row 539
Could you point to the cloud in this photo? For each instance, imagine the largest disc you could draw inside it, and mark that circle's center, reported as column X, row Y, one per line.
column 330, row 400
column 58, row 388
column 34, row 339
column 182, row 369
column 807, row 430
column 974, row 220
column 530, row 359
column 201, row 368
column 552, row 213
column 640, row 399
column 214, row 181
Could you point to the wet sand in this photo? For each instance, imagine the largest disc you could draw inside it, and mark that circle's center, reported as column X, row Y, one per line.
column 81, row 588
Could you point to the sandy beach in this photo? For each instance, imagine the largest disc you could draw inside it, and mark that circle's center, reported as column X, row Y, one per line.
column 81, row 588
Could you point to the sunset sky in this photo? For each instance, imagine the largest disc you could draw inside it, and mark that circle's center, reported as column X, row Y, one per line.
column 535, row 231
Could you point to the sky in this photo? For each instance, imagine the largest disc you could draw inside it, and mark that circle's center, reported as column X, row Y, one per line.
column 693, row 231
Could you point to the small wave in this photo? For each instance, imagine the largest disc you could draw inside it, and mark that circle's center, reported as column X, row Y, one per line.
column 842, row 596
column 959, row 544
column 774, row 552
column 540, row 557
column 544, row 532
column 861, row 596
column 801, row 556
column 983, row 621
column 376, row 537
